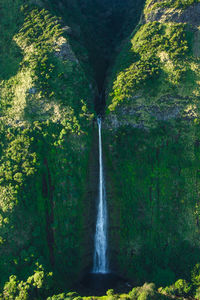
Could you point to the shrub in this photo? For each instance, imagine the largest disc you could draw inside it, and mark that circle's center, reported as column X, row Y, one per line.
column 110, row 292
column 196, row 275
column 197, row 293
column 180, row 289
column 146, row 292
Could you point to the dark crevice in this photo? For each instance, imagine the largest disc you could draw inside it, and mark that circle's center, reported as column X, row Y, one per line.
column 108, row 23
column 100, row 26
column 100, row 102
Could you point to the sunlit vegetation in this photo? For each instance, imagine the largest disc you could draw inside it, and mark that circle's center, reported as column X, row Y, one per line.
column 179, row 4
column 50, row 55
column 156, row 58
column 39, row 285
column 152, row 115
column 45, row 114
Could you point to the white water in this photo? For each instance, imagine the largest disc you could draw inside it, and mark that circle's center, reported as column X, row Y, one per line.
column 100, row 241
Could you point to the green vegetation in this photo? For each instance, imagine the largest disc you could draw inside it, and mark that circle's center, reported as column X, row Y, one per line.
column 46, row 110
column 45, row 128
column 35, row 286
column 12, row 17
column 157, row 65
column 44, row 74
column 39, row 285
column 180, row 4
column 51, row 55
column 154, row 200
column 151, row 144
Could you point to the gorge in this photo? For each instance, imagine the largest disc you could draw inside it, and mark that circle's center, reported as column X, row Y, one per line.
column 62, row 65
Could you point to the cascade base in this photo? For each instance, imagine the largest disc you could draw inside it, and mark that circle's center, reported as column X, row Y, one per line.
column 97, row 284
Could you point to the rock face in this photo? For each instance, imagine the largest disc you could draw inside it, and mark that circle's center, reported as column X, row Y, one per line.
column 46, row 139
column 151, row 144
column 51, row 53
column 168, row 108
column 64, row 51
column 151, row 86
column 190, row 15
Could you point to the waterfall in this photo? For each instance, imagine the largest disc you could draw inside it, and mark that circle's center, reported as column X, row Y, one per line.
column 100, row 240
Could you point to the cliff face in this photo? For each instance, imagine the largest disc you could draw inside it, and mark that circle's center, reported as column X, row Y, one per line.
column 156, row 73
column 54, row 59
column 53, row 62
column 152, row 145
column 182, row 12
column 46, row 136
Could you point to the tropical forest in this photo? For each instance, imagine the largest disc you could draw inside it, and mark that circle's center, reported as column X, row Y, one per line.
column 99, row 149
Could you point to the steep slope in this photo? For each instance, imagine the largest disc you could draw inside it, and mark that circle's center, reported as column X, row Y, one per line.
column 45, row 145
column 156, row 73
column 54, row 59
column 151, row 134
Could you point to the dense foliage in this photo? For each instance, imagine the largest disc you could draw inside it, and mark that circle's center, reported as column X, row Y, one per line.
column 39, row 286
column 51, row 55
column 152, row 151
column 157, row 64
column 45, row 145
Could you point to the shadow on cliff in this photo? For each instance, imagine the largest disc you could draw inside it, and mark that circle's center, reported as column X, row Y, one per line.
column 10, row 61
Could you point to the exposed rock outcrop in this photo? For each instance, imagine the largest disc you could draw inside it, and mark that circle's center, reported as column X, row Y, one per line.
column 190, row 15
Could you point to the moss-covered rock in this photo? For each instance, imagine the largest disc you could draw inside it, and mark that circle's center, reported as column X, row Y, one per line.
column 160, row 79
column 46, row 115
column 151, row 134
column 52, row 54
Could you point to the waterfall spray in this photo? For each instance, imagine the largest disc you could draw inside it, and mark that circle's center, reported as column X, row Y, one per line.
column 100, row 241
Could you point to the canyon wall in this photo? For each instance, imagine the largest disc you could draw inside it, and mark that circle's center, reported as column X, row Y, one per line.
column 151, row 133
column 63, row 62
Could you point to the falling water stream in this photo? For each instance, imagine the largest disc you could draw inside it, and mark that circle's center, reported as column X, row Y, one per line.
column 100, row 264
column 101, row 278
